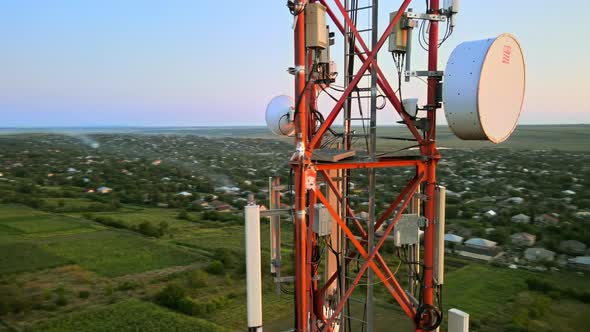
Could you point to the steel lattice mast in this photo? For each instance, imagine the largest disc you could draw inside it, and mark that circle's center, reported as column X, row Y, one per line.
column 484, row 84
column 309, row 291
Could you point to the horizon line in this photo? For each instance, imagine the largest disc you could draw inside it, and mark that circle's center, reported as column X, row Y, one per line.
column 232, row 126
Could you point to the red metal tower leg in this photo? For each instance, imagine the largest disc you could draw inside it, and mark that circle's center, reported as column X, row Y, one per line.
column 308, row 138
column 432, row 154
column 301, row 271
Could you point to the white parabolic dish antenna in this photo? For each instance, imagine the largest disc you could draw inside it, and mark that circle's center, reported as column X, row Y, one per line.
column 484, row 87
column 278, row 116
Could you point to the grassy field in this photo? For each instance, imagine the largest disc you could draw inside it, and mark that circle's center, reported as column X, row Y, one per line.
column 23, row 257
column 131, row 315
column 43, row 225
column 481, row 289
column 26, row 222
column 492, row 295
column 115, row 253
column 46, row 240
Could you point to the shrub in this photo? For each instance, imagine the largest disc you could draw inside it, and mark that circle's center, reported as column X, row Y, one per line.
column 171, row 295
column 83, row 294
column 216, row 267
column 163, row 227
column 539, row 285
column 4, row 308
column 241, row 268
column 49, row 307
column 195, row 308
column 46, row 294
column 19, row 305
column 190, row 307
column 183, row 215
column 225, row 256
column 61, row 300
column 128, row 285
column 146, row 228
column 580, row 295
column 108, row 221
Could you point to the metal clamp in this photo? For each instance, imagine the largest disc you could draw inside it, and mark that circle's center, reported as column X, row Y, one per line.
column 296, row 70
column 424, row 73
column 422, row 16
column 422, row 221
column 421, row 196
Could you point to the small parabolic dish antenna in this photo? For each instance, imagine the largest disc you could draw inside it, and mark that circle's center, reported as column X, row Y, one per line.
column 484, row 87
column 279, row 116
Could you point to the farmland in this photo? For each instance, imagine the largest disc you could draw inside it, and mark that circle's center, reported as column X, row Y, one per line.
column 164, row 248
column 112, row 264
column 132, row 315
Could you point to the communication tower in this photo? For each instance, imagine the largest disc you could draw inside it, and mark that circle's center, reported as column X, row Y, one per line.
column 339, row 266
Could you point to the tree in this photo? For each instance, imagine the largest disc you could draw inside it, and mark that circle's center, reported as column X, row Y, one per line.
column 452, row 211
column 500, row 235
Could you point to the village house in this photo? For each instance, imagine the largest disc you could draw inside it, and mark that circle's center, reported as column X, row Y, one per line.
column 228, row 189
column 539, row 255
column 521, row 218
column 220, row 206
column 452, row 241
column 478, row 248
column 104, row 190
column 490, row 214
column 514, row 200
column 580, row 262
column 523, row 239
column 572, row 247
column 547, row 219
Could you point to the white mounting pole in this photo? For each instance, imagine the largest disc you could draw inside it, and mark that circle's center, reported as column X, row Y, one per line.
column 458, row 321
column 253, row 268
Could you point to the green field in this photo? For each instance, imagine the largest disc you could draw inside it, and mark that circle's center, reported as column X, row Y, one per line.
column 491, row 295
column 44, row 225
column 115, row 253
column 26, row 222
column 47, row 240
column 131, row 315
column 24, row 257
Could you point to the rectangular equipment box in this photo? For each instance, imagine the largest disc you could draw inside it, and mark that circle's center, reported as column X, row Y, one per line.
column 322, row 220
column 316, row 34
column 406, row 230
column 398, row 40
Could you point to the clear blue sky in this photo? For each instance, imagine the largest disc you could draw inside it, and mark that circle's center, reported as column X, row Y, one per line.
column 159, row 63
